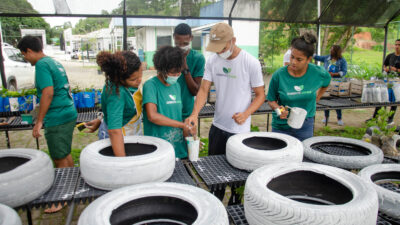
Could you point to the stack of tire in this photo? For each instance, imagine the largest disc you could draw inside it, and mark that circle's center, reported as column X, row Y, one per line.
column 249, row 151
column 25, row 174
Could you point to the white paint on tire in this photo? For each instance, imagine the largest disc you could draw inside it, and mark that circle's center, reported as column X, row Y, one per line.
column 244, row 157
column 209, row 209
column 8, row 216
column 389, row 201
column 264, row 206
column 108, row 173
column 346, row 162
column 29, row 180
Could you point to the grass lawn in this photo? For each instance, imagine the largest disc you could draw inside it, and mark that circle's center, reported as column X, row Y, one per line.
column 359, row 57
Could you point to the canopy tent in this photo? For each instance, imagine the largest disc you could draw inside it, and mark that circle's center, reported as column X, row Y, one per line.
column 363, row 13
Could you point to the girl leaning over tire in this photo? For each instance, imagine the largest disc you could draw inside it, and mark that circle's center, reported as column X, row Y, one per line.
column 121, row 99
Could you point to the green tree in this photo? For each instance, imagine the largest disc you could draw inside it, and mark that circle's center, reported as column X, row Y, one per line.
column 11, row 26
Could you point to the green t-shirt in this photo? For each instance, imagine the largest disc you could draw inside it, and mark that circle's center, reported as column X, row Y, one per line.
column 195, row 62
column 169, row 103
column 118, row 109
column 49, row 72
column 296, row 91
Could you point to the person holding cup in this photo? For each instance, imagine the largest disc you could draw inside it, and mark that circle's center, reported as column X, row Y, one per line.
column 298, row 85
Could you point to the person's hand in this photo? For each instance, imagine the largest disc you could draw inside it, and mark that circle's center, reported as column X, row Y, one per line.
column 36, row 129
column 191, row 122
column 284, row 112
column 386, row 69
column 392, row 68
column 92, row 126
column 188, row 131
column 240, row 118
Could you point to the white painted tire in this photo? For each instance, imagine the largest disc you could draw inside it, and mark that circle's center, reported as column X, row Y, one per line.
column 270, row 192
column 29, row 180
column 109, row 172
column 250, row 157
column 145, row 202
column 8, row 216
column 346, row 162
column 389, row 201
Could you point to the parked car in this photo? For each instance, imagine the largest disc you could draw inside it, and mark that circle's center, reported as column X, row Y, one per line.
column 19, row 72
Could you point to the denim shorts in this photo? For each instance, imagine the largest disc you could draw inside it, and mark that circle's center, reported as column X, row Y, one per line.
column 306, row 131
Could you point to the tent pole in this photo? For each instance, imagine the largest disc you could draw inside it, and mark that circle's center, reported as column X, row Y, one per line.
column 385, row 45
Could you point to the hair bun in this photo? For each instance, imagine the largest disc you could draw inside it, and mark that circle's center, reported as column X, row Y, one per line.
column 309, row 38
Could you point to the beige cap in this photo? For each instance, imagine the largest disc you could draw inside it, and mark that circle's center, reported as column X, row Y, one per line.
column 220, row 34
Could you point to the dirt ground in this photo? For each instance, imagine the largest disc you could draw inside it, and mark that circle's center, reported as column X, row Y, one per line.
column 87, row 76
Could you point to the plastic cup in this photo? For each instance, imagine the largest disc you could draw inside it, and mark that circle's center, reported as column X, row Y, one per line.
column 296, row 117
column 193, row 148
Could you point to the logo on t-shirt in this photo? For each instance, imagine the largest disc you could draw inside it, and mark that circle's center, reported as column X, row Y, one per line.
column 226, row 73
column 173, row 100
column 173, row 97
column 226, row 70
column 299, row 88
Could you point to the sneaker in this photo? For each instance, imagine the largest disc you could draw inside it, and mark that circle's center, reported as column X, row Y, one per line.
column 340, row 122
column 323, row 121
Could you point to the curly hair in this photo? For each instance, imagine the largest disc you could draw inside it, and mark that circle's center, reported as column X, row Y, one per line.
column 118, row 67
column 31, row 42
column 337, row 52
column 168, row 59
column 305, row 43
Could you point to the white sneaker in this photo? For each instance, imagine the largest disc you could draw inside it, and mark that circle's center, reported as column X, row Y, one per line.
column 323, row 121
column 340, row 122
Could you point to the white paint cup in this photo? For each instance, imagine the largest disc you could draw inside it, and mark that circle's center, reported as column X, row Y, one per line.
column 193, row 148
column 296, row 117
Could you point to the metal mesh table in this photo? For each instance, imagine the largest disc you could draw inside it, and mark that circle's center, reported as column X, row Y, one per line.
column 85, row 192
column 237, row 216
column 62, row 191
column 181, row 175
column 335, row 148
column 217, row 173
column 207, row 111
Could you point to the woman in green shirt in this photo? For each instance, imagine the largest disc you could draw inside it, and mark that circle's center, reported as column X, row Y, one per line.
column 300, row 84
column 162, row 100
column 120, row 100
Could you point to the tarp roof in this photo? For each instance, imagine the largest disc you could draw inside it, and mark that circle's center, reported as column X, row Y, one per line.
column 376, row 13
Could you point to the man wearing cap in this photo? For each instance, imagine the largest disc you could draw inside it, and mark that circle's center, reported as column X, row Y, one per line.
column 193, row 68
column 235, row 73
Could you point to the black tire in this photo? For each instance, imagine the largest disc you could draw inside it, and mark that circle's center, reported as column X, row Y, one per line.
column 308, row 193
column 8, row 216
column 389, row 201
column 149, row 159
column 162, row 202
column 367, row 154
column 25, row 174
column 249, row 151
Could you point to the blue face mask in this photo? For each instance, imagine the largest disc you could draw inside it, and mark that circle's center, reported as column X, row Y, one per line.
column 172, row 79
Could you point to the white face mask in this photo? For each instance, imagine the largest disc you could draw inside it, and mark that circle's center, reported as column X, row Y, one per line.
column 227, row 54
column 185, row 48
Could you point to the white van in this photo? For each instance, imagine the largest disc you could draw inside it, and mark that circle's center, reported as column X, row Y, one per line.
column 19, row 73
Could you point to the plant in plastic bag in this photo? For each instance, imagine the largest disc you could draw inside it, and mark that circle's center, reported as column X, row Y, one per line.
column 384, row 135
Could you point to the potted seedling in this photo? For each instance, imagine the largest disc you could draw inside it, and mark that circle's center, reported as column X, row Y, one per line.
column 383, row 134
column 27, row 118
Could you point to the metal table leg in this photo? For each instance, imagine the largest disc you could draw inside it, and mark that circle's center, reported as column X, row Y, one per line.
column 267, row 121
column 8, row 139
column 29, row 215
column 37, row 143
column 70, row 213
column 198, row 127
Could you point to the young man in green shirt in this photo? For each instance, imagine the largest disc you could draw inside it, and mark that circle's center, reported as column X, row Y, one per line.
column 56, row 111
column 193, row 68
